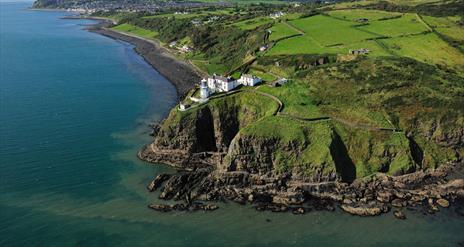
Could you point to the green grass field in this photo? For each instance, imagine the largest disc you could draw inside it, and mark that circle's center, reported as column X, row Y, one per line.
column 296, row 97
column 281, row 30
column 330, row 31
column 252, row 23
column 353, row 14
column 407, row 24
column 128, row 28
column 263, row 75
column 307, row 45
column 428, row 48
column 446, row 26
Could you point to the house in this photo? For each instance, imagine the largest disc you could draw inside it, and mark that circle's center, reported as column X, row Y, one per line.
column 196, row 22
column 185, row 48
column 249, row 80
column 263, row 48
column 183, row 106
column 173, row 44
column 277, row 15
column 221, row 84
column 361, row 51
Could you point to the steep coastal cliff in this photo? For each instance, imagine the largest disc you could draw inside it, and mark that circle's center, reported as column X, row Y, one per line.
column 243, row 146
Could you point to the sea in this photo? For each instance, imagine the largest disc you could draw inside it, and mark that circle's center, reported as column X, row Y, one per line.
column 74, row 110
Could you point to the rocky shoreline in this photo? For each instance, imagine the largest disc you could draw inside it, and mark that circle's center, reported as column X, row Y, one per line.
column 180, row 73
column 198, row 182
column 376, row 195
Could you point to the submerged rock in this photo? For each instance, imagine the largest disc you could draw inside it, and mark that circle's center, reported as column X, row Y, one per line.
column 399, row 215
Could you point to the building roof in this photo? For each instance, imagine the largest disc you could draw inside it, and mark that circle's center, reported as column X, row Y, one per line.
column 249, row 76
column 222, row 78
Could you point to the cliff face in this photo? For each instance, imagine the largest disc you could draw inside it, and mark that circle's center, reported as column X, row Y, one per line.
column 246, row 138
column 202, row 136
column 240, row 133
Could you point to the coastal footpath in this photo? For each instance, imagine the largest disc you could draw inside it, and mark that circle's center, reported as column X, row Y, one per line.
column 219, row 158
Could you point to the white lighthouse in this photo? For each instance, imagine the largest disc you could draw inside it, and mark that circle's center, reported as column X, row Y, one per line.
column 204, row 92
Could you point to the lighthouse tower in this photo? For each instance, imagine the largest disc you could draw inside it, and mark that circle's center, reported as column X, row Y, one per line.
column 204, row 92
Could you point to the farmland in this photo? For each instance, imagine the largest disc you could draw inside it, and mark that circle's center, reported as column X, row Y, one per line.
column 369, row 103
column 405, row 25
column 354, row 14
column 329, row 31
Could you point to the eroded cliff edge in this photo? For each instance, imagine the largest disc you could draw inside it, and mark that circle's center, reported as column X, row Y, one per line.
column 237, row 148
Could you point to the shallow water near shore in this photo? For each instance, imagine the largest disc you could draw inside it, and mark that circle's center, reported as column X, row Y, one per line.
column 74, row 109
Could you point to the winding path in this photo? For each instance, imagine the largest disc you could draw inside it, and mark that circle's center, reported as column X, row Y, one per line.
column 278, row 112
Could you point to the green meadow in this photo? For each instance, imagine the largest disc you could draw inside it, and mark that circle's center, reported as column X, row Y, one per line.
column 427, row 48
column 281, row 30
column 128, row 28
column 250, row 24
column 406, row 25
column 328, row 31
column 354, row 14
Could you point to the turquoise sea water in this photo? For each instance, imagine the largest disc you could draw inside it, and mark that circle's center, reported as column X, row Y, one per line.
column 74, row 108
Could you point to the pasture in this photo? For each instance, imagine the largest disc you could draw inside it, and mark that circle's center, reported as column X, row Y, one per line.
column 250, row 24
column 446, row 26
column 406, row 25
column 329, row 31
column 128, row 28
column 281, row 30
column 353, row 14
column 427, row 48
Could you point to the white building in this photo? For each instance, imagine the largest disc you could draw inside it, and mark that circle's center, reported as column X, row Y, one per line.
column 221, row 84
column 249, row 80
column 263, row 48
column 277, row 15
column 185, row 48
column 204, row 92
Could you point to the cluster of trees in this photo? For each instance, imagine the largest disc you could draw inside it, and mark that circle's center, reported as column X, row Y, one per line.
column 216, row 41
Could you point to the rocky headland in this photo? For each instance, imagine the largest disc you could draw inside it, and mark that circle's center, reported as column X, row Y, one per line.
column 219, row 160
column 219, row 156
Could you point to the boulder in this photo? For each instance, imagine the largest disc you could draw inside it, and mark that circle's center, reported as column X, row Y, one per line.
column 161, row 207
column 155, row 183
column 364, row 209
column 398, row 203
column 443, row 203
column 399, row 215
column 384, row 196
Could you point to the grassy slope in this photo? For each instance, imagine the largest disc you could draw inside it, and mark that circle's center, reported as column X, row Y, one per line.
column 353, row 14
column 365, row 93
column 281, row 30
column 428, row 48
column 329, row 31
column 407, row 24
column 128, row 28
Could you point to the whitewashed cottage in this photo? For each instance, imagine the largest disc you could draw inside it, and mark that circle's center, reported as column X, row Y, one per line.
column 218, row 84
column 249, row 80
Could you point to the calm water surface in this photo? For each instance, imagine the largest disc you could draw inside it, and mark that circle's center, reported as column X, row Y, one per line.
column 74, row 108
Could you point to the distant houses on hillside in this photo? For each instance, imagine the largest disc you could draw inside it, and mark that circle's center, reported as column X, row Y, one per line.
column 277, row 15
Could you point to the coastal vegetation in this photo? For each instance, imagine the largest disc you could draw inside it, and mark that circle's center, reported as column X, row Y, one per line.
column 395, row 109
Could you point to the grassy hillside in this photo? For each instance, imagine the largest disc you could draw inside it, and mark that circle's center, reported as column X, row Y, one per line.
column 397, row 109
